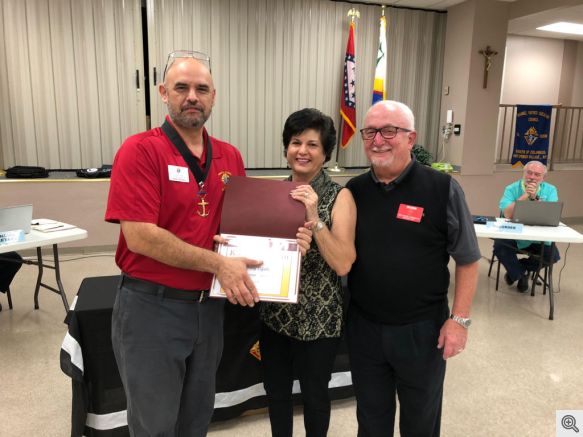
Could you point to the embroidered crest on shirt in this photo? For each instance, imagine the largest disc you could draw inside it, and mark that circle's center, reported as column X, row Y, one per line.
column 224, row 176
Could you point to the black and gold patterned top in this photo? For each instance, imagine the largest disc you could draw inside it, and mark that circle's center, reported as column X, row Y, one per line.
column 318, row 313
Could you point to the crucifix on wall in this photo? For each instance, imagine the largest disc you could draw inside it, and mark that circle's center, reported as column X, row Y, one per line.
column 488, row 53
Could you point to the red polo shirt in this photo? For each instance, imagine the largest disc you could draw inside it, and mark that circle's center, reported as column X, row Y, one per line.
column 144, row 188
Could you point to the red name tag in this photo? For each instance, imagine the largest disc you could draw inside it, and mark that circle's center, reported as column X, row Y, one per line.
column 411, row 213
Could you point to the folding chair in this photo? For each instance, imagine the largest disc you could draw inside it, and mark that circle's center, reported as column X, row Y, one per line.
column 535, row 275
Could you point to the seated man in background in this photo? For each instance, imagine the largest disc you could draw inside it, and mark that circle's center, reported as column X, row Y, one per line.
column 530, row 187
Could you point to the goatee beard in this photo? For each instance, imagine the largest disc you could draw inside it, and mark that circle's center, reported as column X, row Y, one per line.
column 186, row 121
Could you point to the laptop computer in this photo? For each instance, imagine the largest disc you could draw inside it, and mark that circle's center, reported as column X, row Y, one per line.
column 538, row 213
column 13, row 218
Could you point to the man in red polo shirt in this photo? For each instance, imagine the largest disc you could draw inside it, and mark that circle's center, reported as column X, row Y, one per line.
column 167, row 337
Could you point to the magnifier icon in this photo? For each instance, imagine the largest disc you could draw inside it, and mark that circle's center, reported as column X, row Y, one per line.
column 569, row 422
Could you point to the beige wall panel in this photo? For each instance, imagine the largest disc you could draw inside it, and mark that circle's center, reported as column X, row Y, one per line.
column 219, row 46
column 42, row 83
column 139, row 121
column 19, row 88
column 456, row 68
column 577, row 98
column 271, row 58
column 275, row 62
column 532, row 70
column 90, row 135
column 129, row 61
column 238, row 107
column 107, row 75
column 416, row 65
column 257, row 65
column 6, row 142
column 70, row 81
column 65, row 84
column 154, row 74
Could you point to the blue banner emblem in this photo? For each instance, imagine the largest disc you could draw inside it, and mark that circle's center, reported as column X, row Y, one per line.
column 531, row 141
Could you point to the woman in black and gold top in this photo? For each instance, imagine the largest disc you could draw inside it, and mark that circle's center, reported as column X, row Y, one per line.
column 304, row 337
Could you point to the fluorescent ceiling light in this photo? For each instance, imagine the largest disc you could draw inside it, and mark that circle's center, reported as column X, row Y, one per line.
column 564, row 27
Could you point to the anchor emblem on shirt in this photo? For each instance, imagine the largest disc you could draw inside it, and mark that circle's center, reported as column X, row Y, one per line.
column 202, row 211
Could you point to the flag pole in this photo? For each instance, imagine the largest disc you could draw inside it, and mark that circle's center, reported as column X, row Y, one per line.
column 336, row 168
column 352, row 13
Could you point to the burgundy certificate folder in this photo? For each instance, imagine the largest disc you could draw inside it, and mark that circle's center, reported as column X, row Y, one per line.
column 261, row 208
column 260, row 221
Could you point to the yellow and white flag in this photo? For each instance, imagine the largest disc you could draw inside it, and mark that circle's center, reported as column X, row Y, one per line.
column 380, row 74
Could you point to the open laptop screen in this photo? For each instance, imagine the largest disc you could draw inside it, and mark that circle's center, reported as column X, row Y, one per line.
column 538, row 213
column 13, row 218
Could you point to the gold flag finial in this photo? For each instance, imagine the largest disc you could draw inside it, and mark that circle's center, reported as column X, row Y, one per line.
column 353, row 13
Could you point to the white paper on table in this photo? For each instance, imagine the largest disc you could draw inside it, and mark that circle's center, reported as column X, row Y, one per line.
column 47, row 225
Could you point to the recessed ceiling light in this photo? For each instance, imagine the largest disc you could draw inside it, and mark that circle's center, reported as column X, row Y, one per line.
column 564, row 27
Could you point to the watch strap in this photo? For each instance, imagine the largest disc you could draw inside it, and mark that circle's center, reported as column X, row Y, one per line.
column 464, row 321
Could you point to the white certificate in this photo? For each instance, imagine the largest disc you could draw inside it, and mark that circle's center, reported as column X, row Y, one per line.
column 277, row 279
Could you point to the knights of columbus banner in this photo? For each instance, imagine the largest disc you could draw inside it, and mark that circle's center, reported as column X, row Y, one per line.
column 531, row 141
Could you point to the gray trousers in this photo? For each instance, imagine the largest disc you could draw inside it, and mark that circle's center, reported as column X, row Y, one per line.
column 167, row 352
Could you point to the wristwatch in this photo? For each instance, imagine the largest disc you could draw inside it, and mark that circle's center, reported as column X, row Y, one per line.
column 318, row 226
column 465, row 322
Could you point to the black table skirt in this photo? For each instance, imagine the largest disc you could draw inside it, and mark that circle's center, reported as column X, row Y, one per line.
column 98, row 399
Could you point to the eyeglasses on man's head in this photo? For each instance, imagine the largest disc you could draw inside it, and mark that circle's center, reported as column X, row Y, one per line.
column 178, row 54
column 387, row 132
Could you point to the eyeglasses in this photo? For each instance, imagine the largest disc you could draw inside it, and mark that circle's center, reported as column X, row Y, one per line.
column 199, row 56
column 387, row 132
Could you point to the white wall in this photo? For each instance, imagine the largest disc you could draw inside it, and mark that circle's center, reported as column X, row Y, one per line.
column 532, row 70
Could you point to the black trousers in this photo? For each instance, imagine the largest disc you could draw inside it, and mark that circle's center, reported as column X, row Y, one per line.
column 312, row 361
column 507, row 252
column 396, row 361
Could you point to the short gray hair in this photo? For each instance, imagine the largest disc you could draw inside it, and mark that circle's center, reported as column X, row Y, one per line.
column 531, row 163
column 404, row 109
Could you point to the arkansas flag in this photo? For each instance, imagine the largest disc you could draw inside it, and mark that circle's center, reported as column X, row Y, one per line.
column 348, row 101
column 380, row 73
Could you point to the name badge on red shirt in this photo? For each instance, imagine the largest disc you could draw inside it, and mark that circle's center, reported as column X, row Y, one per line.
column 178, row 174
column 410, row 213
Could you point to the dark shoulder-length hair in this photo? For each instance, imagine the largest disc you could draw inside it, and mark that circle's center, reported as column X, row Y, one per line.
column 310, row 118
